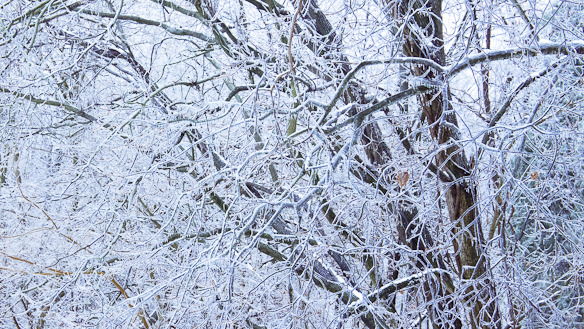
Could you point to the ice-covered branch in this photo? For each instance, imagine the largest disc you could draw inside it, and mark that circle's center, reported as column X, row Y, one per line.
column 545, row 48
column 399, row 284
column 396, row 60
column 145, row 21
column 379, row 106
column 516, row 91
column 36, row 100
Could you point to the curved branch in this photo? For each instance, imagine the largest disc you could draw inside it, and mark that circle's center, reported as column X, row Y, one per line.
column 145, row 21
column 237, row 89
column 524, row 16
column 546, row 48
column 380, row 105
column 513, row 94
column 183, row 11
column 516, row 91
column 66, row 106
column 396, row 60
column 400, row 284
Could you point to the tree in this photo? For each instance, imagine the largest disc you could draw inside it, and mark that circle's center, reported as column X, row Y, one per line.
column 172, row 164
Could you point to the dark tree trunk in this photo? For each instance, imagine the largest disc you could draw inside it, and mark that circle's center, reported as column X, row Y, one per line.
column 461, row 196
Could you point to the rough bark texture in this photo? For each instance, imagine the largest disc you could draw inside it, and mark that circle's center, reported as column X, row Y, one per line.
column 425, row 23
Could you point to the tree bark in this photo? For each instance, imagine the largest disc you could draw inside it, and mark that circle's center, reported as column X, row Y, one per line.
column 423, row 22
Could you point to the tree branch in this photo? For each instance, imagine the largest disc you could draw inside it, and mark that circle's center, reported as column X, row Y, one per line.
column 378, row 106
column 547, row 48
column 513, row 94
column 66, row 106
column 362, row 65
column 145, row 21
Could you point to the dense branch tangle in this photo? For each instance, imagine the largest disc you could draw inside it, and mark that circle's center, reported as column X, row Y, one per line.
column 264, row 164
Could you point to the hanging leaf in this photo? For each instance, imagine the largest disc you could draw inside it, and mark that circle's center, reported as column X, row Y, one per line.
column 402, row 178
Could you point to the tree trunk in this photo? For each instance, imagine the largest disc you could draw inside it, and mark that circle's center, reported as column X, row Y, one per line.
column 461, row 196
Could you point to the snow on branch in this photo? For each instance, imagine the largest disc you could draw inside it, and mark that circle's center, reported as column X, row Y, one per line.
column 545, row 48
column 399, row 284
column 145, row 21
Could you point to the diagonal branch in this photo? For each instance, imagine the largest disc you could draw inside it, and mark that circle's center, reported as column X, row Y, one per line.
column 545, row 48
column 514, row 94
column 364, row 64
column 36, row 100
column 379, row 106
column 145, row 21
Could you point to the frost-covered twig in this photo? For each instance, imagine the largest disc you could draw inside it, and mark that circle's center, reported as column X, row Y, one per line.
column 546, row 48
